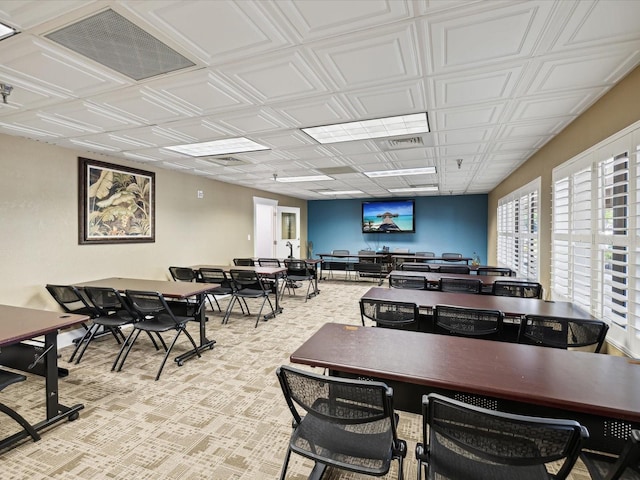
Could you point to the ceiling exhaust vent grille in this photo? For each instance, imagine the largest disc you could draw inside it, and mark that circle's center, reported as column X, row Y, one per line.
column 224, row 161
column 401, row 143
column 111, row 40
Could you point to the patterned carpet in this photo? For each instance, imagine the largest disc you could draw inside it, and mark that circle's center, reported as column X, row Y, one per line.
column 220, row 417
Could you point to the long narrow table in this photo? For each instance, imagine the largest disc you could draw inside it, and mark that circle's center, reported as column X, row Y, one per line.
column 176, row 290
column 433, row 278
column 600, row 391
column 510, row 306
column 18, row 324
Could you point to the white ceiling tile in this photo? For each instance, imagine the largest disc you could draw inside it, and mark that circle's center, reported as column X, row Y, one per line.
column 360, row 60
column 214, row 31
column 503, row 34
column 389, row 100
column 454, row 90
column 474, row 116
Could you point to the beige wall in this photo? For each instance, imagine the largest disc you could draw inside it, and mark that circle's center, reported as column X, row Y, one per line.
column 619, row 108
column 39, row 229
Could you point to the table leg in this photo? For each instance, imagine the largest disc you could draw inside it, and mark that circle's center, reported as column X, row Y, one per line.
column 318, row 471
column 277, row 307
column 205, row 343
column 55, row 411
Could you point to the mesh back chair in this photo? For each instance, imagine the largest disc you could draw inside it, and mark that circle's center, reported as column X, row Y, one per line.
column 384, row 313
column 425, row 254
column 9, row 378
column 557, row 332
column 186, row 274
column 217, row 275
column 468, row 322
column 415, row 267
column 460, row 285
column 72, row 300
column 344, row 265
column 464, row 269
column 462, row 441
column 114, row 313
column 400, row 250
column 342, row 423
column 517, row 289
column 270, row 262
column 626, row 466
column 407, row 281
column 243, row 262
column 247, row 284
column 182, row 274
column 451, row 257
column 156, row 317
column 495, row 271
column 298, row 271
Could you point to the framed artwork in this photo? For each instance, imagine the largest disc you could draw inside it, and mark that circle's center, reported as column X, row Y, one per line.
column 116, row 204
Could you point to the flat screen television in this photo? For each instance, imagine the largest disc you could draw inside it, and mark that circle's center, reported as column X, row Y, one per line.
column 388, row 216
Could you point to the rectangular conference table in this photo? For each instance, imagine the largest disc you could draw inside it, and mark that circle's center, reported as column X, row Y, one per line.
column 18, row 324
column 169, row 289
column 433, row 278
column 510, row 306
column 600, row 391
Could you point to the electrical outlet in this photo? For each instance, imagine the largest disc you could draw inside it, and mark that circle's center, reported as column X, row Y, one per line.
column 200, row 194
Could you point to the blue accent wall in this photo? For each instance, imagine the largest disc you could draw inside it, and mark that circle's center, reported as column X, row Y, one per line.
column 456, row 223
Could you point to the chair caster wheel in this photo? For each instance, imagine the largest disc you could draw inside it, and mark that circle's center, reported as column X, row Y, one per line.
column 181, row 363
column 74, row 416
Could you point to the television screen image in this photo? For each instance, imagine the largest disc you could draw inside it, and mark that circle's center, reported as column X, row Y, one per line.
column 388, row 216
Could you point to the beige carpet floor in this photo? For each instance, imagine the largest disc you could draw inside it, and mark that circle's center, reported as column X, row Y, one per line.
column 219, row 417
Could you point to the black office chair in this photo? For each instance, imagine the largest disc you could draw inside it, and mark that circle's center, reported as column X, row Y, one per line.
column 626, row 466
column 9, row 378
column 407, row 281
column 243, row 262
column 298, row 271
column 495, row 271
column 451, row 257
column 557, row 332
column 468, row 322
column 247, row 284
column 506, row 288
column 183, row 274
column 187, row 274
column 217, row 275
column 425, row 254
column 415, row 267
column 156, row 317
column 72, row 300
column 115, row 312
column 385, row 313
column 342, row 423
column 464, row 269
column 460, row 285
column 462, row 441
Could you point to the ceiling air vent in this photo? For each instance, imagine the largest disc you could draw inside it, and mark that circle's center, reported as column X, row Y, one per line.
column 111, row 40
column 401, row 143
column 223, row 161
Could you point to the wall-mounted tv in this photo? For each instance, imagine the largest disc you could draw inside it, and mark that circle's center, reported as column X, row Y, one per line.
column 388, row 216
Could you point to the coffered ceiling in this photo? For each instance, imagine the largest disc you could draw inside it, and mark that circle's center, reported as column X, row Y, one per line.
column 498, row 80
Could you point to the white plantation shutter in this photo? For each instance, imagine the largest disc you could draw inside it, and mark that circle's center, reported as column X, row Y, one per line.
column 517, row 216
column 595, row 259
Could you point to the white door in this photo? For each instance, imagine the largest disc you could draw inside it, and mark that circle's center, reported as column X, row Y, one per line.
column 288, row 232
column 264, row 227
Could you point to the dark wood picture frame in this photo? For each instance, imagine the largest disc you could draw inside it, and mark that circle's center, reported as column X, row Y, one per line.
column 116, row 204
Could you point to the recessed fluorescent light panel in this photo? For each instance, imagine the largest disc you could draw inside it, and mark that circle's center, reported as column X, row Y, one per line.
column 6, row 31
column 402, row 172
column 367, row 129
column 218, row 147
column 425, row 188
column 340, row 192
column 309, row 178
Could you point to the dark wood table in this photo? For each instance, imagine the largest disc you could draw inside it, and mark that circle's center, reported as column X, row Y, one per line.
column 169, row 289
column 601, row 391
column 433, row 278
column 510, row 306
column 18, row 324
